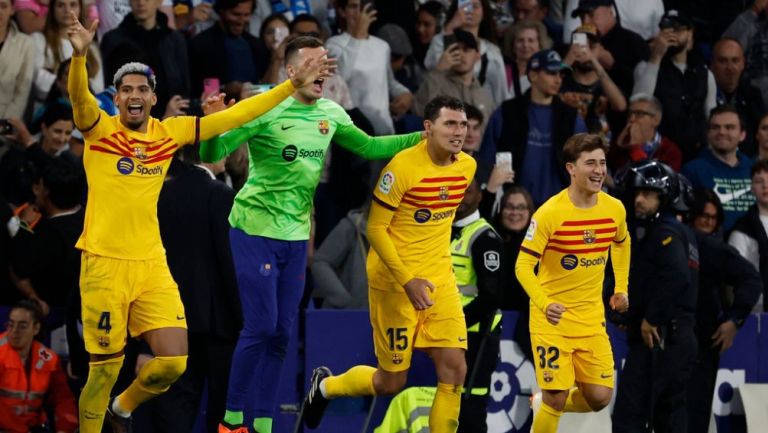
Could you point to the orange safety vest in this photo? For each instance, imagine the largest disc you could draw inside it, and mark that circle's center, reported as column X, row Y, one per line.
column 22, row 396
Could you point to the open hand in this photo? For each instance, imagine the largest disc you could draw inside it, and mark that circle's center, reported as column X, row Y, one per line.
column 215, row 103
column 79, row 36
column 417, row 291
column 724, row 335
column 650, row 334
column 313, row 69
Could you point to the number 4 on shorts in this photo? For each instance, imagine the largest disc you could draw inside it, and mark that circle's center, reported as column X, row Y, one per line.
column 104, row 321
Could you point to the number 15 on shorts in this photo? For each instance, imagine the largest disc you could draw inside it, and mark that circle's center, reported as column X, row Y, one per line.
column 398, row 338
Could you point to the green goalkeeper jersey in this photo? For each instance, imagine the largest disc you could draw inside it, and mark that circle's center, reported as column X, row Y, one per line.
column 287, row 147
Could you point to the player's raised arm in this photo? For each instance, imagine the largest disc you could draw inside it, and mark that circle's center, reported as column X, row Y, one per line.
column 357, row 141
column 84, row 105
column 312, row 69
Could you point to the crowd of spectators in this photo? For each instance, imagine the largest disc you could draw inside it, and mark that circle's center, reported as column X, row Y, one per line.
column 681, row 81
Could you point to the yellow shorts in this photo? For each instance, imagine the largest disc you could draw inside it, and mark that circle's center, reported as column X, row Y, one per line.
column 398, row 327
column 563, row 361
column 126, row 295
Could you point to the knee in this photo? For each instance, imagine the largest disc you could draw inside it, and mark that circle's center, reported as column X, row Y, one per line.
column 554, row 399
column 386, row 383
column 598, row 399
column 164, row 371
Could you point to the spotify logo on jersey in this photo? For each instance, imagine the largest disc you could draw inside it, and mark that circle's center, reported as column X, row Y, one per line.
column 289, row 152
column 569, row 262
column 125, row 165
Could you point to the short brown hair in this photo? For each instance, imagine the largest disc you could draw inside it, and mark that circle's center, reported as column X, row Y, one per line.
column 760, row 166
column 583, row 142
column 299, row 42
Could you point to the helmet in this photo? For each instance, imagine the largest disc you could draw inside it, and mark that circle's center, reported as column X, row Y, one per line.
column 685, row 198
column 653, row 175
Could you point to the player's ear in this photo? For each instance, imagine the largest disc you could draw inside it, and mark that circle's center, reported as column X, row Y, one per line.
column 428, row 127
column 290, row 71
column 570, row 168
column 154, row 98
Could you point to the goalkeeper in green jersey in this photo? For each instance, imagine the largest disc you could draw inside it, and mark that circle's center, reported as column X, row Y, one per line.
column 270, row 222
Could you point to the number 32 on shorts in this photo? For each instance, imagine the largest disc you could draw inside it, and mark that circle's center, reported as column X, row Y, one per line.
column 548, row 357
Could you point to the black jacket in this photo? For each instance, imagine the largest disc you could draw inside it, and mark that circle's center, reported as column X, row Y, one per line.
column 722, row 266
column 664, row 273
column 514, row 130
column 751, row 226
column 193, row 212
column 162, row 48
column 628, row 49
column 48, row 257
column 208, row 58
column 682, row 97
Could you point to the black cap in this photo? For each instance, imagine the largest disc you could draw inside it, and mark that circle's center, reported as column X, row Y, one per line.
column 587, row 6
column 674, row 19
column 466, row 38
column 548, row 60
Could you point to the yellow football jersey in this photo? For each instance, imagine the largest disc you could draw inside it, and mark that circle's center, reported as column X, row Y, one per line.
column 572, row 246
column 424, row 198
column 125, row 171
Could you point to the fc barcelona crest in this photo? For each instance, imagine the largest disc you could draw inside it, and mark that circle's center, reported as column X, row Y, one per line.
column 589, row 236
column 397, row 359
column 323, row 126
column 139, row 153
column 443, row 194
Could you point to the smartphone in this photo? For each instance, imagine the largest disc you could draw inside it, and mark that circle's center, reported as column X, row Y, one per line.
column 280, row 34
column 466, row 5
column 366, row 2
column 211, row 86
column 5, row 127
column 504, row 159
column 579, row 39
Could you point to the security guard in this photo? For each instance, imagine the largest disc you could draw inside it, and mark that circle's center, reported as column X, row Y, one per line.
column 476, row 250
column 663, row 286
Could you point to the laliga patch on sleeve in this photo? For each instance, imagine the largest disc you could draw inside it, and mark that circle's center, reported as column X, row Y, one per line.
column 491, row 260
column 386, row 182
column 531, row 230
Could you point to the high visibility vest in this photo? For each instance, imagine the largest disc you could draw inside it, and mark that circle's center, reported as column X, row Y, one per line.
column 409, row 411
column 21, row 395
column 464, row 269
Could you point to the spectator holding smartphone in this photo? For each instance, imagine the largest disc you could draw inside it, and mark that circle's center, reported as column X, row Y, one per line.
column 474, row 17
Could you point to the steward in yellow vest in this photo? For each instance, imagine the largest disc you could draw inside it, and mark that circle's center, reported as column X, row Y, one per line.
column 476, row 251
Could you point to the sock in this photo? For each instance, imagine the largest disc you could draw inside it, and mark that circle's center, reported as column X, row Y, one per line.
column 262, row 425
column 546, row 420
column 95, row 395
column 444, row 417
column 576, row 402
column 233, row 417
column 356, row 382
column 154, row 378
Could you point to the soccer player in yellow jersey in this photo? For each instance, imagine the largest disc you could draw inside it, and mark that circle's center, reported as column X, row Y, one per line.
column 125, row 282
column 570, row 238
column 413, row 297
